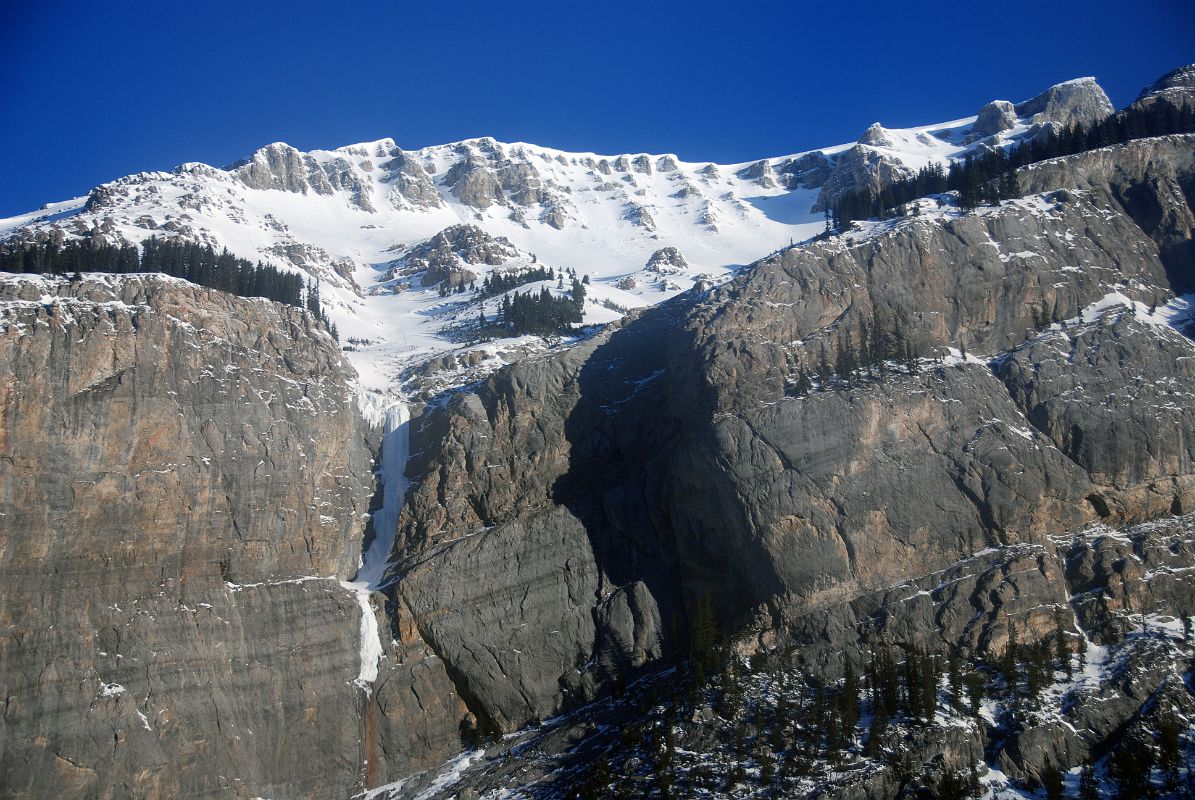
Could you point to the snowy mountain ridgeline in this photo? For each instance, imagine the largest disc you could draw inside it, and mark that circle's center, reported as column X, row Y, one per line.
column 379, row 227
column 826, row 475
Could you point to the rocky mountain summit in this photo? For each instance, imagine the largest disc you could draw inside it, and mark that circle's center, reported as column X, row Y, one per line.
column 950, row 451
column 1176, row 87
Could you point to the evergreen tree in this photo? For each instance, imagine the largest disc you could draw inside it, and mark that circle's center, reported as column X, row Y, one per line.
column 1170, row 756
column 975, row 681
column 848, row 700
column 1010, row 186
column 1008, row 662
column 1130, row 765
column 704, row 636
column 1089, row 784
column 955, row 679
column 1062, row 650
column 875, row 732
column 953, row 785
column 1052, row 782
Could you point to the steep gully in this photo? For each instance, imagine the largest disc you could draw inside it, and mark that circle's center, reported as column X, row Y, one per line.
column 371, row 577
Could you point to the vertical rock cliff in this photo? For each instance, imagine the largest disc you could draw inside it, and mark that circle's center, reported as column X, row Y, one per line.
column 184, row 479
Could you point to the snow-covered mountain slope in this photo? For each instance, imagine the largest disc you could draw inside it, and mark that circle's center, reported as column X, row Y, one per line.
column 356, row 217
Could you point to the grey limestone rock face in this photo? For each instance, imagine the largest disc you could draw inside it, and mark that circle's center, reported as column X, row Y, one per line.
column 1176, row 87
column 524, row 628
column 282, row 167
column 1081, row 101
column 759, row 173
column 1115, row 396
column 500, row 486
column 410, row 183
column 962, row 281
column 474, row 184
column 995, row 117
column 809, row 171
column 1071, row 585
column 414, row 717
column 184, row 480
column 1151, row 180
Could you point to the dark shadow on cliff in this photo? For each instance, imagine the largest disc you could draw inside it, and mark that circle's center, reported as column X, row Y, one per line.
column 1144, row 203
column 637, row 436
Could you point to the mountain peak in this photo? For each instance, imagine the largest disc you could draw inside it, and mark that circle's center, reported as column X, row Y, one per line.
column 1079, row 101
column 1176, row 87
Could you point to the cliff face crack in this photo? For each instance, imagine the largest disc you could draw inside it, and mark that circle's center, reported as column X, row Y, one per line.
column 982, row 508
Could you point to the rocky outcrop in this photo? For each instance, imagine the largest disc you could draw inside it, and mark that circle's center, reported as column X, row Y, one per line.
column 445, row 257
column 995, row 117
column 1076, row 102
column 1114, row 396
column 860, row 167
column 410, row 183
column 1176, row 87
column 1082, row 588
column 474, row 184
column 638, row 215
column 1151, row 180
column 875, row 136
column 282, row 167
column 760, row 173
column 185, row 478
column 486, row 175
column 556, row 214
column 809, row 171
column 667, row 261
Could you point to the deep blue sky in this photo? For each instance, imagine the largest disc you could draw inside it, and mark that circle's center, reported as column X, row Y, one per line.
column 91, row 91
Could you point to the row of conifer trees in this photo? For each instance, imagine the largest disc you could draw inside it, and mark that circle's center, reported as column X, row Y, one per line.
column 191, row 261
column 990, row 177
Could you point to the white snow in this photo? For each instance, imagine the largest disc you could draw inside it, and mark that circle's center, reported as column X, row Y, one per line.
column 449, row 774
column 1175, row 313
column 717, row 216
column 237, row 587
column 371, row 651
column 395, row 451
